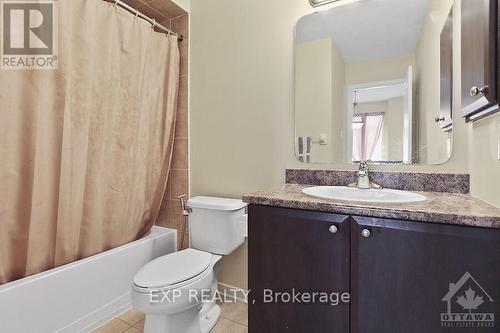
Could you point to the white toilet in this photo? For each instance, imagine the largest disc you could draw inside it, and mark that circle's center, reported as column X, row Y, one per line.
column 175, row 291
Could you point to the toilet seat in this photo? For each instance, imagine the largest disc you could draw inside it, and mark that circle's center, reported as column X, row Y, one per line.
column 173, row 269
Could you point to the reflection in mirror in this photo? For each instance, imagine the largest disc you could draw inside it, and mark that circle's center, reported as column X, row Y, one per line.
column 373, row 82
column 381, row 116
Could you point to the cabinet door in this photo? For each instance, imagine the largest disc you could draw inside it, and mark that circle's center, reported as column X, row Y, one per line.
column 291, row 250
column 479, row 42
column 407, row 275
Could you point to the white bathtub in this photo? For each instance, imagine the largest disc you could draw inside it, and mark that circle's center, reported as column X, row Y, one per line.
column 83, row 295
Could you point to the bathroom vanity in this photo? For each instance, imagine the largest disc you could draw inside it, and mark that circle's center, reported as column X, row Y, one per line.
column 405, row 266
column 381, row 90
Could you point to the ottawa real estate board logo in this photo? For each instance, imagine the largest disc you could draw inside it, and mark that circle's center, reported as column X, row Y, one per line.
column 467, row 305
column 29, row 34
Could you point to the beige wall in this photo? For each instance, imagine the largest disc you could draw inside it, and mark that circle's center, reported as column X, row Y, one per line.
column 395, row 68
column 320, row 102
column 313, row 95
column 184, row 4
column 241, row 108
column 394, row 128
column 338, row 96
column 484, row 166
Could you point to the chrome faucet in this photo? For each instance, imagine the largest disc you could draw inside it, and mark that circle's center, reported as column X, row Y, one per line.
column 363, row 181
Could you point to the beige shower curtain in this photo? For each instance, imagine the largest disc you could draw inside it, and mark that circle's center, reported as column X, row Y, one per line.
column 85, row 150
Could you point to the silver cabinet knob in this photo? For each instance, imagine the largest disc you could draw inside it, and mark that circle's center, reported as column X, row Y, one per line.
column 365, row 233
column 475, row 91
column 438, row 119
column 333, row 229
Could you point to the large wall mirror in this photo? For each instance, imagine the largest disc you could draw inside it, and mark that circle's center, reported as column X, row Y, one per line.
column 373, row 82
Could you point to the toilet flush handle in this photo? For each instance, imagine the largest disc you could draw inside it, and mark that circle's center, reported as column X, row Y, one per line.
column 185, row 210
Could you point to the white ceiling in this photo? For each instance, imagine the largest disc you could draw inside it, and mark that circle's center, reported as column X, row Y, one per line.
column 368, row 29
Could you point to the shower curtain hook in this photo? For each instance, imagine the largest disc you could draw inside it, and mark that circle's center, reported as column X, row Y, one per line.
column 116, row 2
column 136, row 13
column 153, row 24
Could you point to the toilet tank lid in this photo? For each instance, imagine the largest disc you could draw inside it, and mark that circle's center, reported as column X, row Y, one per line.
column 216, row 203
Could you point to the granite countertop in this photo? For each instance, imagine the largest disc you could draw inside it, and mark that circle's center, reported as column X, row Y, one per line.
column 447, row 208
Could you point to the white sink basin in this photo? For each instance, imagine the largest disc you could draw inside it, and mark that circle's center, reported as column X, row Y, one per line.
column 360, row 195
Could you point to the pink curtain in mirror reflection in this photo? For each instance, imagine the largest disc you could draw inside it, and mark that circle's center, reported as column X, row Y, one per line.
column 366, row 133
column 86, row 149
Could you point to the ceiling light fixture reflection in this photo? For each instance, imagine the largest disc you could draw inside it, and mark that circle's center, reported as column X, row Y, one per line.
column 317, row 3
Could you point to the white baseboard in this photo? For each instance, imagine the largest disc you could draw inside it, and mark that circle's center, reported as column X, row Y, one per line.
column 234, row 293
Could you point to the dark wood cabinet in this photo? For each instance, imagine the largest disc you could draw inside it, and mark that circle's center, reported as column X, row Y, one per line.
column 402, row 272
column 402, row 276
column 480, row 35
column 295, row 250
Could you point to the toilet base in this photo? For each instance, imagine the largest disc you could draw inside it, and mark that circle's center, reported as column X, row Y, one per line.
column 194, row 320
column 209, row 318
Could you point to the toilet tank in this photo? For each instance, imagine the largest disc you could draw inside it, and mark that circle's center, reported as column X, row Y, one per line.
column 213, row 224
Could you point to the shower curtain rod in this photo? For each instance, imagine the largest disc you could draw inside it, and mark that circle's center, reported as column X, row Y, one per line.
column 147, row 18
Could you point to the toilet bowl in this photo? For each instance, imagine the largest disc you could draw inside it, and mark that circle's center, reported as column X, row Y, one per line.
column 176, row 291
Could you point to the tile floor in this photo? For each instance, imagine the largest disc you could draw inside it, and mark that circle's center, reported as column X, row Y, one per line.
column 234, row 319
